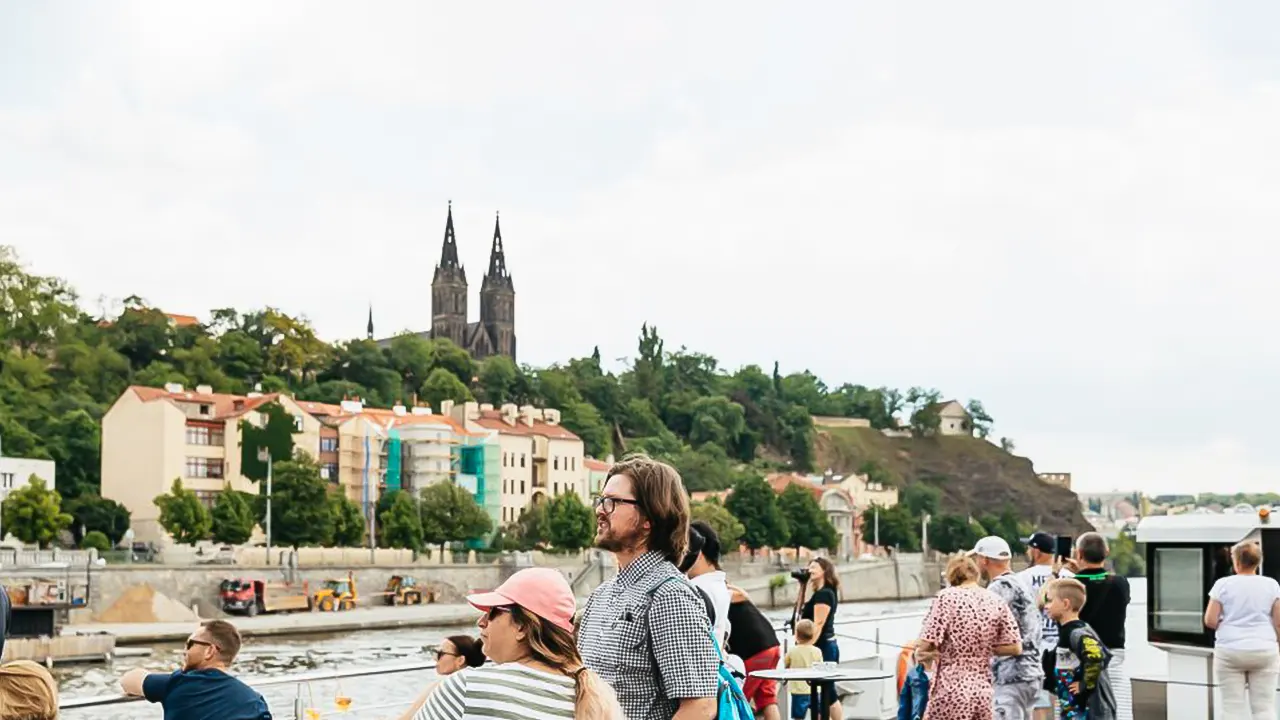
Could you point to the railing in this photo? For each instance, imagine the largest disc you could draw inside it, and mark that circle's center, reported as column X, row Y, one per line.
column 301, row 681
column 299, row 705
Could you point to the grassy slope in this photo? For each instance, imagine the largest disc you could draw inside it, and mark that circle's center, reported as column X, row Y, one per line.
column 976, row 476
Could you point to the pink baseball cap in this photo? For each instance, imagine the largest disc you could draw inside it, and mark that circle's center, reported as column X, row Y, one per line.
column 542, row 591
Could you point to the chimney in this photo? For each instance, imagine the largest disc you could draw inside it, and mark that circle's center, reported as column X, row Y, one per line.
column 421, row 410
column 552, row 416
column 399, row 409
column 609, row 459
column 355, row 407
column 204, row 389
column 486, row 407
column 174, row 388
column 446, row 407
column 527, row 414
column 254, row 394
column 509, row 413
column 471, row 411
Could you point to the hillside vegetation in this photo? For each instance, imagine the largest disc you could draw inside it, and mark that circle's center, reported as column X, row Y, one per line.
column 973, row 476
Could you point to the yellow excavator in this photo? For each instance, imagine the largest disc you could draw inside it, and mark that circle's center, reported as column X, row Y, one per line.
column 336, row 594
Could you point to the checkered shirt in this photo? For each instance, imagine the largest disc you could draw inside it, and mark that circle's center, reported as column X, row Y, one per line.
column 654, row 650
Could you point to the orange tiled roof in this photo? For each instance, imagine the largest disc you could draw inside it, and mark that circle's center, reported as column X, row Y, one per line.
column 224, row 404
column 596, row 465
column 183, row 320
column 492, row 420
column 780, row 481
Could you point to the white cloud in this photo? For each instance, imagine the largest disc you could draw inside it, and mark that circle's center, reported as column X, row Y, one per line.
column 1062, row 217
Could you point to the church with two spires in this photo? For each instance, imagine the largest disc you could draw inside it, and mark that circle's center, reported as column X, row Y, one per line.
column 495, row 332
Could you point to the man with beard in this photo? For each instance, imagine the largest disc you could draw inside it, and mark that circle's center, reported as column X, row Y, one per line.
column 646, row 631
column 202, row 689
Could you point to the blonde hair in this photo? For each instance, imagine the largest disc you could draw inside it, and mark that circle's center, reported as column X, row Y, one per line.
column 1069, row 589
column 558, row 648
column 962, row 569
column 1247, row 554
column 806, row 631
column 27, row 692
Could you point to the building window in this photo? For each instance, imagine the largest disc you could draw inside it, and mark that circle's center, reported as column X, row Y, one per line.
column 328, row 444
column 555, row 488
column 6, row 481
column 521, row 459
column 329, row 471
column 204, row 435
column 204, row 409
column 521, row 487
column 555, row 463
column 574, row 462
column 204, row 467
column 207, row 498
column 297, row 423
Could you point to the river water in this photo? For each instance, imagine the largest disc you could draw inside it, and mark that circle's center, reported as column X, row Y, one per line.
column 387, row 696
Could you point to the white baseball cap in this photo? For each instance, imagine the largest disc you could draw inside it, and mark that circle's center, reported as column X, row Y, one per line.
column 992, row 547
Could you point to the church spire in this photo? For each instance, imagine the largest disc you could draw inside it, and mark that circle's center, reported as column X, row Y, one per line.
column 449, row 253
column 497, row 257
column 369, row 329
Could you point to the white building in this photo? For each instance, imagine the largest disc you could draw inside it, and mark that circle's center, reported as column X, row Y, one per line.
column 15, row 473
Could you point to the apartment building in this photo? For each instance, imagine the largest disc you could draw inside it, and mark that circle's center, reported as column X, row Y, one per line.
column 597, row 474
column 539, row 457
column 151, row 436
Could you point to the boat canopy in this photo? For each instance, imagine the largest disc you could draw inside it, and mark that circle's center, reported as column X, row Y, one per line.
column 1198, row 528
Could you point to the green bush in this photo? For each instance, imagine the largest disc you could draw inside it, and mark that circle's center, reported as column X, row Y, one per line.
column 97, row 540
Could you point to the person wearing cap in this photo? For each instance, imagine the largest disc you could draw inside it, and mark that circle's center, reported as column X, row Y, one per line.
column 1019, row 678
column 646, row 630
column 1041, row 551
column 527, row 631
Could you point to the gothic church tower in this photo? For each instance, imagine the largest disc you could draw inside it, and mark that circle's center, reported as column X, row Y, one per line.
column 449, row 291
column 498, row 300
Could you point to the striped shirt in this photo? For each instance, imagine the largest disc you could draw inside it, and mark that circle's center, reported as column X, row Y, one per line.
column 509, row 691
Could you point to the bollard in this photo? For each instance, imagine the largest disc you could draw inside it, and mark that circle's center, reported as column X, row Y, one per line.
column 298, row 710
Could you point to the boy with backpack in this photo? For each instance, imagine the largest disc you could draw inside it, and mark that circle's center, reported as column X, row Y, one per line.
column 1080, row 673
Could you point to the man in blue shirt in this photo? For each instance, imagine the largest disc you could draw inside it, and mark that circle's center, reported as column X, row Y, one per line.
column 202, row 689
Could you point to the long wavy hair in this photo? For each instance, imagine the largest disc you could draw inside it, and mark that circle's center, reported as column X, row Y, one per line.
column 558, row 648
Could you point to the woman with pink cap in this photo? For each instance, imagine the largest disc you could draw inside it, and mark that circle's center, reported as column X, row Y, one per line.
column 536, row 671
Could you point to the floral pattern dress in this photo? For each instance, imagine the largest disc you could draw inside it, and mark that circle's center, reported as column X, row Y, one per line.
column 967, row 624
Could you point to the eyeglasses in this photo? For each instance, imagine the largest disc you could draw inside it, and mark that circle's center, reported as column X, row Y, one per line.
column 610, row 503
column 441, row 654
column 192, row 642
column 495, row 611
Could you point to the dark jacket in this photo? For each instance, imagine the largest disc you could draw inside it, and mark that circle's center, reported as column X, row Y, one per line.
column 914, row 695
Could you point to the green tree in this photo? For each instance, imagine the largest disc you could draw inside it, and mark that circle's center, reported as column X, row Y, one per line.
column 95, row 540
column 897, row 527
column 573, row 524
column 809, row 527
column 450, row 513
column 232, row 517
column 921, row 499
column 953, row 533
column 91, row 513
column 183, row 516
column 73, row 444
column 300, row 510
column 412, row 358
column 1007, row 445
column 454, row 359
column 349, row 526
column 979, row 417
column 443, row 385
column 275, row 434
column 926, row 420
column 533, row 529
column 34, row 513
column 755, row 505
column 401, row 523
column 727, row 527
column 498, row 379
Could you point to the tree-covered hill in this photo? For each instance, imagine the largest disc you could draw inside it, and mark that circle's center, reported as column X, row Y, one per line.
column 61, row 368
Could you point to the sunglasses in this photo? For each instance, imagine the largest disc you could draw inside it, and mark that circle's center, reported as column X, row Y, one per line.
column 192, row 642
column 495, row 611
column 441, row 654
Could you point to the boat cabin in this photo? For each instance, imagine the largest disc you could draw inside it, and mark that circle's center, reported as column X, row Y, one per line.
column 1186, row 555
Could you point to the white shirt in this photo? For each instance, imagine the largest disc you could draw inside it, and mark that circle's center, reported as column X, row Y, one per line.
column 1035, row 578
column 715, row 585
column 1245, row 623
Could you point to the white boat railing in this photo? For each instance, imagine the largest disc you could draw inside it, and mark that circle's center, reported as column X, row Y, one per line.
column 303, row 680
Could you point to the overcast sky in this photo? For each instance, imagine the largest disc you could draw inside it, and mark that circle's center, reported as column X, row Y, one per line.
column 1069, row 215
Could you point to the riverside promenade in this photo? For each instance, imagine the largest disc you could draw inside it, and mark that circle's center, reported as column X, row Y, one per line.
column 295, row 623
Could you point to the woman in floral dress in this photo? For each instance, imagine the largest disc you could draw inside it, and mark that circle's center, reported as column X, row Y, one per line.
column 967, row 625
